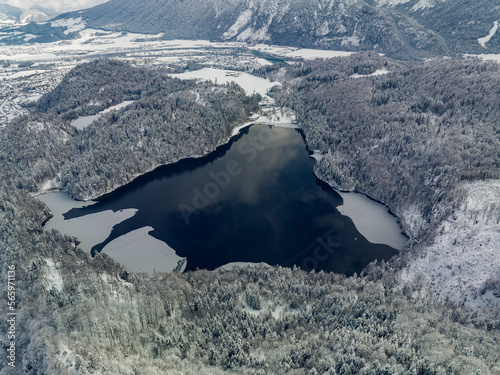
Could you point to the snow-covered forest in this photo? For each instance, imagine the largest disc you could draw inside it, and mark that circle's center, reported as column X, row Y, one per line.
column 405, row 138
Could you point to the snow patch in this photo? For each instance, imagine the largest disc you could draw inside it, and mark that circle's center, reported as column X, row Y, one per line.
column 234, row 265
column 421, row 4
column 251, row 84
column 324, row 29
column 302, row 53
column 52, row 276
column 482, row 41
column 263, row 62
column 487, row 57
column 378, row 72
column 241, row 22
column 117, row 107
column 251, row 35
column 22, row 74
column 72, row 25
column 352, row 40
column 84, row 121
column 53, row 184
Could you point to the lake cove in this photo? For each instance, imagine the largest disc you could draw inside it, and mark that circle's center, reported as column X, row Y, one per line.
column 255, row 199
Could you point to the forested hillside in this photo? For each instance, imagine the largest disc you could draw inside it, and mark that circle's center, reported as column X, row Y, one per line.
column 170, row 120
column 460, row 22
column 78, row 315
column 406, row 137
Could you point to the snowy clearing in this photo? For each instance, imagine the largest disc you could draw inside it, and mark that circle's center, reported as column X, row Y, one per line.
column 84, row 121
column 72, row 25
column 378, row 72
column 251, row 84
column 53, row 184
column 303, row 53
column 482, row 41
column 487, row 57
column 52, row 276
column 466, row 250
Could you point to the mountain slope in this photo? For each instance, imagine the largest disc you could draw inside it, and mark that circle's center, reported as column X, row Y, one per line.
column 460, row 22
column 326, row 24
column 9, row 14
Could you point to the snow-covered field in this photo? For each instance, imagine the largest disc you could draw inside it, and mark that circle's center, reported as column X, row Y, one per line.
column 487, row 57
column 251, row 84
column 376, row 73
column 21, row 87
column 84, row 121
column 466, row 250
column 302, row 53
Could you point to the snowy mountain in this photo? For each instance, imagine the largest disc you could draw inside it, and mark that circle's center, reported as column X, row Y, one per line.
column 10, row 15
column 33, row 15
column 327, row 24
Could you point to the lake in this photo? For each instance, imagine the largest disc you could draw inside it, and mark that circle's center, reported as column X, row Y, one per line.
column 255, row 199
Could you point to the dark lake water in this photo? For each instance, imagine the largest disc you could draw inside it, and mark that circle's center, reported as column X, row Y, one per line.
column 255, row 199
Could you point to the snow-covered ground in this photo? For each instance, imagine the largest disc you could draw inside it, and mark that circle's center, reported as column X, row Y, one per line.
column 285, row 120
column 84, row 121
column 421, row 4
column 482, row 41
column 72, row 24
column 487, row 57
column 19, row 87
column 378, row 72
column 52, row 278
column 302, row 53
column 466, row 250
column 53, row 184
column 233, row 265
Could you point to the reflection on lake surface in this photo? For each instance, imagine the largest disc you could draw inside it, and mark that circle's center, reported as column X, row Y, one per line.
column 255, row 199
